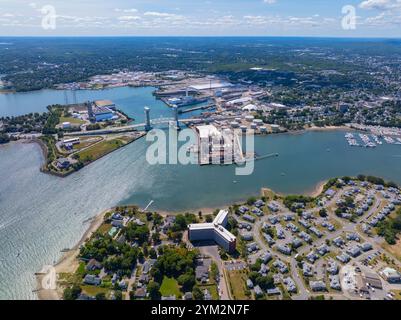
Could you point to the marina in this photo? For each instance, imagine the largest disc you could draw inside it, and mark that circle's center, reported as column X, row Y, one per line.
column 370, row 141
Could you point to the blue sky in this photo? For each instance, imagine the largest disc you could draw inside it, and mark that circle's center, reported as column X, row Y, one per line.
column 374, row 18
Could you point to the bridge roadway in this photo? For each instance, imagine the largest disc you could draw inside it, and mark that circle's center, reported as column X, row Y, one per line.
column 137, row 126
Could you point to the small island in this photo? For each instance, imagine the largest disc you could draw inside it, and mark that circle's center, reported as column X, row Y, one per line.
column 341, row 244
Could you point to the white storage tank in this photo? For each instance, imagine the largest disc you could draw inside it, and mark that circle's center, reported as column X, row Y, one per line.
column 275, row 128
column 234, row 124
column 249, row 118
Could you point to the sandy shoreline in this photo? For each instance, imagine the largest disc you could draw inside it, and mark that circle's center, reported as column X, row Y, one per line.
column 68, row 263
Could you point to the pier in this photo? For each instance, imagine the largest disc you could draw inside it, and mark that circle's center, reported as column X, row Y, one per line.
column 209, row 106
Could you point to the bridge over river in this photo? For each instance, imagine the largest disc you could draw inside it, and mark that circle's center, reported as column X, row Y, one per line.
column 143, row 126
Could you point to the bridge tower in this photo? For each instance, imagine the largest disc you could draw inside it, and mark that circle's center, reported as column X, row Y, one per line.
column 148, row 126
column 177, row 124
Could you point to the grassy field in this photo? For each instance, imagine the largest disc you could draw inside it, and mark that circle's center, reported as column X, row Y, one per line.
column 100, row 149
column 93, row 290
column 170, row 287
column 237, row 283
column 71, row 120
column 104, row 228
column 86, row 142
column 397, row 294
column 394, row 249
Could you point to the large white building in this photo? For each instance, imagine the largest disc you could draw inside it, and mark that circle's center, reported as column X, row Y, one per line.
column 215, row 231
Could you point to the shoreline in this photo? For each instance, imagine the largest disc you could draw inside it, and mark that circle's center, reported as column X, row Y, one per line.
column 67, row 263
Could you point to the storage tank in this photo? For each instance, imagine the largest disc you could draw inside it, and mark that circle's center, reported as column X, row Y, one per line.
column 249, row 118
column 234, row 124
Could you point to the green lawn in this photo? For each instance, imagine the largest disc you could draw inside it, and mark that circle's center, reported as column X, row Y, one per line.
column 100, row 149
column 71, row 120
column 104, row 228
column 93, row 290
column 170, row 287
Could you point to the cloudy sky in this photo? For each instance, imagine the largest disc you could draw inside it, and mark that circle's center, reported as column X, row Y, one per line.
column 343, row 18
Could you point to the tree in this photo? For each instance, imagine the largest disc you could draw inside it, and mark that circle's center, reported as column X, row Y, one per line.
column 118, row 295
column 101, row 296
column 152, row 253
column 4, row 138
column 157, row 219
column 187, row 281
column 251, row 201
column 156, row 237
column 214, row 271
column 72, row 293
column 154, row 290
column 197, row 293
column 136, row 232
column 323, row 213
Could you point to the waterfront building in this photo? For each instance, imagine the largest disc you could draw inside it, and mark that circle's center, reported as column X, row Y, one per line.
column 105, row 104
column 214, row 231
column 99, row 114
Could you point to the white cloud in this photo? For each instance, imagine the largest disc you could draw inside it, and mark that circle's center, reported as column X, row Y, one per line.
column 129, row 18
column 132, row 10
column 269, row 1
column 380, row 4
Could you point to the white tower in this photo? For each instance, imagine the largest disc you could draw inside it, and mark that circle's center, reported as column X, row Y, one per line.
column 148, row 127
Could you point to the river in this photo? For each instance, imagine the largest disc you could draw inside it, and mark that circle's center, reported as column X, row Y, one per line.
column 40, row 214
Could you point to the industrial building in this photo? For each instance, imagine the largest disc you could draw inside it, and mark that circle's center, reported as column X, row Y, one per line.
column 214, row 231
column 98, row 111
column 218, row 147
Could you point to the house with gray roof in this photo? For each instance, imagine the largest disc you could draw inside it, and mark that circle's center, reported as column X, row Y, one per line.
column 316, row 232
column 306, row 237
column 281, row 266
column 317, row 286
column 312, row 257
column 307, row 269
column 266, row 257
column 335, row 282
column 292, row 227
column 339, row 242
column 249, row 218
column 332, row 267
column 258, row 291
column 273, row 292
column 92, row 280
column 269, row 239
column 366, row 247
column 284, row 249
column 249, row 283
column 353, row 251
column 296, row 243
column 290, row 285
column 344, row 258
column 323, row 249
